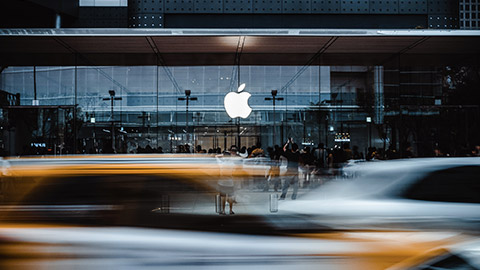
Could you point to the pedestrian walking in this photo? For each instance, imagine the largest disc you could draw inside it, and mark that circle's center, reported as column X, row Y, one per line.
column 290, row 152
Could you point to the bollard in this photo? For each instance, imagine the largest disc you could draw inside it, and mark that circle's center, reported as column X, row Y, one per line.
column 165, row 204
column 274, row 203
column 218, row 203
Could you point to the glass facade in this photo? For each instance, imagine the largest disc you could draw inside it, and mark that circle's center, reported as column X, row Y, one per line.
column 366, row 106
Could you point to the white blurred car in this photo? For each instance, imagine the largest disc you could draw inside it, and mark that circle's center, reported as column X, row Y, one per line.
column 84, row 248
column 425, row 193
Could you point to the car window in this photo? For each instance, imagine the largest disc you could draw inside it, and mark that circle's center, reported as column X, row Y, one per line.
column 101, row 189
column 447, row 261
column 14, row 188
column 458, row 184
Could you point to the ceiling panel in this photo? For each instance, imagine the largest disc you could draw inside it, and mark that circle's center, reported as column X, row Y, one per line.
column 30, row 45
column 371, row 44
column 132, row 44
column 48, row 49
column 196, row 59
column 255, row 44
column 448, row 45
column 197, row 44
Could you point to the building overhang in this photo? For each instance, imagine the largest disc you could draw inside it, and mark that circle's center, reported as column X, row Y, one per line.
column 199, row 47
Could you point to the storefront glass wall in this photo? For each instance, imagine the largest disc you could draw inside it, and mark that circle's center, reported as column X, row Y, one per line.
column 320, row 105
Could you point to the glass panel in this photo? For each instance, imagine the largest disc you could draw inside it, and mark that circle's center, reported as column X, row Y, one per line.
column 452, row 185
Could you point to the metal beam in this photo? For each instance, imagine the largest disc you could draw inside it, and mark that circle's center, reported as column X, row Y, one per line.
column 157, row 32
column 236, row 63
column 88, row 62
column 161, row 62
column 404, row 50
column 322, row 50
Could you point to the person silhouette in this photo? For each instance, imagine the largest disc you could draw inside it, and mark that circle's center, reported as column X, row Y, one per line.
column 290, row 152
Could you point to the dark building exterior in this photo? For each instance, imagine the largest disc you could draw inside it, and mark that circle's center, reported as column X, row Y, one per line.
column 396, row 14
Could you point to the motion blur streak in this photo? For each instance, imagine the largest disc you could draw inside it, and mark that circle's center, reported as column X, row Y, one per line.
column 143, row 248
column 215, row 212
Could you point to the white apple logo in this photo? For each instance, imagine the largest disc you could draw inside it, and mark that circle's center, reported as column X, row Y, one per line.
column 236, row 104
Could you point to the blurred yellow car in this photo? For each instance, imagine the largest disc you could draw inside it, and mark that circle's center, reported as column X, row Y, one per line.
column 113, row 190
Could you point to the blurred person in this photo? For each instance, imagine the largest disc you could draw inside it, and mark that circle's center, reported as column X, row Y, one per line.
column 391, row 152
column 269, row 151
column 356, row 154
column 437, row 152
column 329, row 161
column 181, row 148
column 226, row 187
column 373, row 153
column 148, row 149
column 379, row 154
column 290, row 152
column 347, row 152
column 243, row 152
column 257, row 151
column 307, row 161
column 409, row 151
column 337, row 155
column 369, row 154
column 320, row 156
column 274, row 171
column 267, row 176
column 475, row 152
column 233, row 151
column 338, row 159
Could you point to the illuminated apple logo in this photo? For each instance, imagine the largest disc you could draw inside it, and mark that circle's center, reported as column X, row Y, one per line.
column 236, row 104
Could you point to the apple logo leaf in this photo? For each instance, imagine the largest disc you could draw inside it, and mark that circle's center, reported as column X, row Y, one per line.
column 241, row 87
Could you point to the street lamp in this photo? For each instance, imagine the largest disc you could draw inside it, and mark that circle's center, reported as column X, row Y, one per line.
column 369, row 121
column 92, row 120
column 187, row 98
column 112, row 98
column 274, row 98
column 145, row 117
column 333, row 102
column 325, row 101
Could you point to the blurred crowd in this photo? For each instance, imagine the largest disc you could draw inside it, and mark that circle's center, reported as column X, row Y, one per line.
column 313, row 164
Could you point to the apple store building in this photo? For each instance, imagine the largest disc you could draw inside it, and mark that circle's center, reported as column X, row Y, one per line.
column 209, row 99
column 150, row 104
